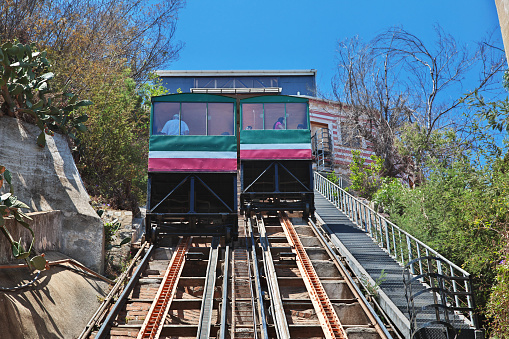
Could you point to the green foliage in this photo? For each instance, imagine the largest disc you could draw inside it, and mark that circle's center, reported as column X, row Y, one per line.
column 460, row 211
column 365, row 178
column 11, row 206
column 114, row 150
column 498, row 306
column 110, row 230
column 152, row 88
column 332, row 177
column 388, row 197
column 439, row 146
column 26, row 90
column 373, row 288
column 495, row 113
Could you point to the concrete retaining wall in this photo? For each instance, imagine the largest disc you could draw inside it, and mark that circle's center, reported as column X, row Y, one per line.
column 47, row 227
column 47, row 179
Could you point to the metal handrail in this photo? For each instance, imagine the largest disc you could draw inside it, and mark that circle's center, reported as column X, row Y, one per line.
column 399, row 244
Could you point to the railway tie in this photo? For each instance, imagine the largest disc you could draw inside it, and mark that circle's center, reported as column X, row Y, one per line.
column 329, row 320
column 243, row 325
column 153, row 324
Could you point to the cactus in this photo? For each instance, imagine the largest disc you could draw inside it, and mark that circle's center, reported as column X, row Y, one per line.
column 25, row 88
column 11, row 206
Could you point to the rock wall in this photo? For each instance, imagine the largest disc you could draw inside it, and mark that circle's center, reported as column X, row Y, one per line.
column 47, row 179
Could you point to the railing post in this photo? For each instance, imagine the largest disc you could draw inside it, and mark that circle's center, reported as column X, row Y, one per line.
column 379, row 235
column 388, row 244
column 401, row 246
column 355, row 211
column 470, row 301
column 394, row 241
column 337, row 198
column 454, row 286
column 420, row 262
column 409, row 246
column 365, row 217
column 370, row 222
column 343, row 202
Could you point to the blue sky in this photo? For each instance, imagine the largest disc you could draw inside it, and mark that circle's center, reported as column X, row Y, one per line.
column 283, row 34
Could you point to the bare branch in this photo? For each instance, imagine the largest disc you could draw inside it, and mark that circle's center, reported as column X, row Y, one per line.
column 396, row 79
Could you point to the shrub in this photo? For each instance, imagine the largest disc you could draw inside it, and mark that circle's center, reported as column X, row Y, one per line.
column 389, row 196
column 365, row 179
column 498, row 306
column 113, row 154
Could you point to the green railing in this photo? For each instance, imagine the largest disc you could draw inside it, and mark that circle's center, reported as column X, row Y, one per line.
column 402, row 246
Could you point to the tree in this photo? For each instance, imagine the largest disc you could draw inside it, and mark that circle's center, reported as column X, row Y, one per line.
column 365, row 178
column 88, row 38
column 112, row 157
column 396, row 79
column 106, row 50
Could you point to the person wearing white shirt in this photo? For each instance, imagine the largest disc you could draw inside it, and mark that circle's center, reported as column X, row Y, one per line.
column 172, row 127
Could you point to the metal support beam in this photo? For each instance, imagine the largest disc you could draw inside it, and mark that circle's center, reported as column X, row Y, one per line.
column 281, row 325
column 259, row 292
column 224, row 305
column 208, row 292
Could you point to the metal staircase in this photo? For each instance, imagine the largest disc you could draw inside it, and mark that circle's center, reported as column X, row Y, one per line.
column 322, row 150
column 426, row 295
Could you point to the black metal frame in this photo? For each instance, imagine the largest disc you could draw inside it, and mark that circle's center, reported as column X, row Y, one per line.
column 192, row 204
column 277, row 185
column 445, row 314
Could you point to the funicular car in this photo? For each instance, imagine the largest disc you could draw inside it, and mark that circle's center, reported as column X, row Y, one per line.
column 275, row 155
column 192, row 167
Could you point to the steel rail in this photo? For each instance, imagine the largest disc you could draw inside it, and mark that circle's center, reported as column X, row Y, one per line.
column 152, row 326
column 280, row 322
column 120, row 282
column 125, row 293
column 208, row 292
column 329, row 320
column 224, row 305
column 259, row 292
column 368, row 310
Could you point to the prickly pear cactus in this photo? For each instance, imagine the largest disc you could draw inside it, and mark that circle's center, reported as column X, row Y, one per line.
column 25, row 88
column 11, row 206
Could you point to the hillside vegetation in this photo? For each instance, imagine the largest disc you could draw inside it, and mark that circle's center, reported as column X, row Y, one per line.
column 104, row 51
column 460, row 208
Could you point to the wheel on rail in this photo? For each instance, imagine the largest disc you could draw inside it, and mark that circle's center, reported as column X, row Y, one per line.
column 153, row 234
column 306, row 212
column 228, row 235
column 248, row 210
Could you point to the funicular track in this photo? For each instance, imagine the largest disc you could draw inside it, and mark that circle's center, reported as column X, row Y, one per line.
column 171, row 294
column 321, row 302
column 312, row 294
column 283, row 280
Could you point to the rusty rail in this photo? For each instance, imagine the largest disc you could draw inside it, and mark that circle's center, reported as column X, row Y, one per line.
column 329, row 320
column 152, row 326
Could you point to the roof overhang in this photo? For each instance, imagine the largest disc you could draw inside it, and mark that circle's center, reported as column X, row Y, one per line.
column 188, row 73
column 237, row 90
